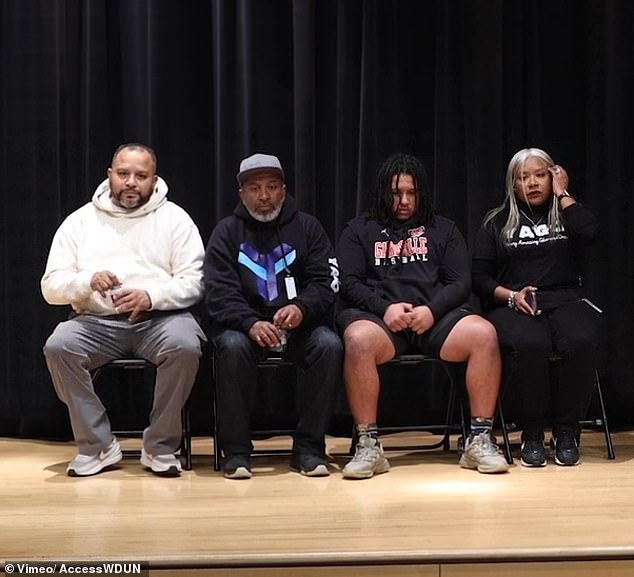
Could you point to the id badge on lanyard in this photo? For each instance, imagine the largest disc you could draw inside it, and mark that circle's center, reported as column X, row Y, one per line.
column 291, row 289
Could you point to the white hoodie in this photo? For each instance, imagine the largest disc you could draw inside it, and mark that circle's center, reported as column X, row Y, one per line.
column 156, row 248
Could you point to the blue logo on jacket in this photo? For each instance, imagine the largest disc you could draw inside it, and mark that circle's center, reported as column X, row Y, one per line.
column 266, row 266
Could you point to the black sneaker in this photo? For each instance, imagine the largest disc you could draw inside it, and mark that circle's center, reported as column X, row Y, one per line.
column 566, row 448
column 237, row 467
column 533, row 453
column 310, row 464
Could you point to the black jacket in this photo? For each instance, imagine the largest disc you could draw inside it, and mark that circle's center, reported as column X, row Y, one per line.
column 247, row 261
column 416, row 264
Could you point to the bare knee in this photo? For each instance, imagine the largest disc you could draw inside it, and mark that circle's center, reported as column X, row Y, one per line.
column 472, row 334
column 484, row 334
column 366, row 341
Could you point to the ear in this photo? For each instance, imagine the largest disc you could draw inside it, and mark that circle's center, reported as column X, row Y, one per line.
column 109, row 172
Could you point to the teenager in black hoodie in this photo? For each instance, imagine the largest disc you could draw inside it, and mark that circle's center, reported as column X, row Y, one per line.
column 405, row 278
column 526, row 269
column 270, row 279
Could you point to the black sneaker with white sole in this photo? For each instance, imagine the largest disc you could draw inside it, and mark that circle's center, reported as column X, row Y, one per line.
column 310, row 464
column 566, row 448
column 533, row 453
column 237, row 467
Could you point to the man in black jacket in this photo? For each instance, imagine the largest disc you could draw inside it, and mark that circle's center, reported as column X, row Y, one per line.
column 270, row 279
column 405, row 278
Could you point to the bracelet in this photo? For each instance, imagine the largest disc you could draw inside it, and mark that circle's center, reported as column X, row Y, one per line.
column 511, row 300
column 560, row 196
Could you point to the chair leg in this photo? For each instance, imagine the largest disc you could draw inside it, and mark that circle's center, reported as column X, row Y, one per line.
column 214, row 413
column 464, row 432
column 187, row 437
column 215, row 436
column 453, row 400
column 604, row 417
column 505, row 434
column 451, row 406
column 353, row 441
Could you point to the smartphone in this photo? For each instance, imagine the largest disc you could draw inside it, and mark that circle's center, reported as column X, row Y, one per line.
column 531, row 299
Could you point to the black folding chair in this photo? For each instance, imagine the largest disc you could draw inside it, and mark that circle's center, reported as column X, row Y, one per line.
column 272, row 361
column 136, row 364
column 454, row 418
column 600, row 420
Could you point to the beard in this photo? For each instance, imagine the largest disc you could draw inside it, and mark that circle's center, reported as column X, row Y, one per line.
column 130, row 202
column 265, row 217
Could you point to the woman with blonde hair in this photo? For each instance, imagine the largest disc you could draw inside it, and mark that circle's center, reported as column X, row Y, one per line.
column 527, row 272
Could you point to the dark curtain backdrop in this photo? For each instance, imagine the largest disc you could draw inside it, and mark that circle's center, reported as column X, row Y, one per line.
column 329, row 86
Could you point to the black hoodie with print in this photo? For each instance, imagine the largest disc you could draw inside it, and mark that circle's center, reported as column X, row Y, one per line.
column 248, row 263
column 550, row 260
column 422, row 265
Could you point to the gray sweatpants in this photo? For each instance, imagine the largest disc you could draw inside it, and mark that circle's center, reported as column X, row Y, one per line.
column 169, row 340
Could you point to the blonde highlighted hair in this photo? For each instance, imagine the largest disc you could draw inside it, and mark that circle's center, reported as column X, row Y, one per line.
column 516, row 165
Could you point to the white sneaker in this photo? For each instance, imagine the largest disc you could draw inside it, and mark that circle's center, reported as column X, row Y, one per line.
column 368, row 460
column 84, row 465
column 481, row 453
column 163, row 465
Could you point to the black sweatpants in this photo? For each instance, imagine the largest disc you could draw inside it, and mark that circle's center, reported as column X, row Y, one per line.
column 538, row 388
column 318, row 351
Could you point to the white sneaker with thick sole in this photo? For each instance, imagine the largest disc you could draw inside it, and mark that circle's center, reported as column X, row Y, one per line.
column 85, row 465
column 482, row 454
column 368, row 460
column 163, row 465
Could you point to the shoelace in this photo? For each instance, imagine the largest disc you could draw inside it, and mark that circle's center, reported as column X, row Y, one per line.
column 364, row 453
column 483, row 444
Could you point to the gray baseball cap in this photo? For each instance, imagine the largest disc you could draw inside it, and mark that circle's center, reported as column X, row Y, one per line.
column 259, row 162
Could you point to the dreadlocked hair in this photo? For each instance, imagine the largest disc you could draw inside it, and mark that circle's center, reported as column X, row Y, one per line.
column 396, row 165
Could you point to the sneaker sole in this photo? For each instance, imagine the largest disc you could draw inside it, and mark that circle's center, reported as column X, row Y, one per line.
column 500, row 468
column 318, row 471
column 383, row 468
column 172, row 471
column 239, row 473
column 533, row 465
column 493, row 470
column 112, row 460
column 562, row 464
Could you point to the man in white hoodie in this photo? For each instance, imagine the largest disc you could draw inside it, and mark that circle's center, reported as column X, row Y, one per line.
column 129, row 263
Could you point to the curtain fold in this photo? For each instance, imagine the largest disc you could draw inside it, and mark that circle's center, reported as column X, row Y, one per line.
column 329, row 86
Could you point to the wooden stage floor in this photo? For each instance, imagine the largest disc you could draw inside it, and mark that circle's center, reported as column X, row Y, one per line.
column 426, row 517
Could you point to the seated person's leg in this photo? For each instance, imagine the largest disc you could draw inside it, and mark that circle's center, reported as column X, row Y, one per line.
column 75, row 348
column 367, row 343
column 320, row 353
column 172, row 342
column 527, row 345
column 473, row 340
column 576, row 334
column 235, row 357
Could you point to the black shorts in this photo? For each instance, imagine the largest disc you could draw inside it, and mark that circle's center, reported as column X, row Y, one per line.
column 407, row 341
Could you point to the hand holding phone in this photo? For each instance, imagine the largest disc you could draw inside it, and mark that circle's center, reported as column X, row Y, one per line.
column 531, row 300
